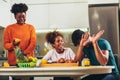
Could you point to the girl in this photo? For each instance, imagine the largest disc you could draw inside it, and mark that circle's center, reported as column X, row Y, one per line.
column 58, row 52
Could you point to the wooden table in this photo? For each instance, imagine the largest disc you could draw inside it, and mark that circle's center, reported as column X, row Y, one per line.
column 75, row 72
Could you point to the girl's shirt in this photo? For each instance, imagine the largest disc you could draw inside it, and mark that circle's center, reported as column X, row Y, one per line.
column 54, row 56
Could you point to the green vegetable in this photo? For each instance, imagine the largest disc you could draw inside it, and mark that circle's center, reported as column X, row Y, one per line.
column 20, row 55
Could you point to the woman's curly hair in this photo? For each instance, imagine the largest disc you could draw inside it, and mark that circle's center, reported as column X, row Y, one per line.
column 50, row 36
column 21, row 7
column 76, row 36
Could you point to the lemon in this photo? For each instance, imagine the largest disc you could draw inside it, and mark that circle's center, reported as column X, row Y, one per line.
column 32, row 64
column 44, row 61
column 17, row 60
column 6, row 64
column 45, row 49
column 17, row 40
column 35, row 59
column 30, row 58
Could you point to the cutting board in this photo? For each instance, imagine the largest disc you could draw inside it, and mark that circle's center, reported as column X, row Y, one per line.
column 59, row 65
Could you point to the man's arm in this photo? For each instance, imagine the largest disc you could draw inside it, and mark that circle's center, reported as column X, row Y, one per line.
column 101, row 55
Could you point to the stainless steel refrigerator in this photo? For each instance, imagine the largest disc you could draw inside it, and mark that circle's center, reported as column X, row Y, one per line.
column 106, row 16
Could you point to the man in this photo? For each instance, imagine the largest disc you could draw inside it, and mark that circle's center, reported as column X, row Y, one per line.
column 98, row 50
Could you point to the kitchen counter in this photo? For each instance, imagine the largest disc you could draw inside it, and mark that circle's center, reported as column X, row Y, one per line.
column 74, row 72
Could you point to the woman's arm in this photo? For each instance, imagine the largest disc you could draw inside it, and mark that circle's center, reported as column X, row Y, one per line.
column 32, row 42
column 8, row 45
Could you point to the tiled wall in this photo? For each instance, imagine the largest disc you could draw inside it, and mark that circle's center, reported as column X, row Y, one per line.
column 1, row 42
column 41, row 40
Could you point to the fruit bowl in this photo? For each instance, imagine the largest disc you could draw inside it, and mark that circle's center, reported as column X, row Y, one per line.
column 29, row 62
column 26, row 64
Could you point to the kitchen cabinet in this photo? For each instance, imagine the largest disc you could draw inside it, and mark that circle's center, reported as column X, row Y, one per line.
column 102, row 1
column 2, row 53
column 5, row 13
column 56, row 13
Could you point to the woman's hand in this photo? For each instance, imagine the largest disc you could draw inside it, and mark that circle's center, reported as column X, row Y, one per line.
column 16, row 42
column 95, row 37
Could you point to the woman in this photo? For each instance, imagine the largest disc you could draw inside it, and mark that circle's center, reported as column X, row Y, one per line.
column 20, row 30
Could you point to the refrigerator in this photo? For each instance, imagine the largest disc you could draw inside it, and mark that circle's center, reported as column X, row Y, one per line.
column 106, row 16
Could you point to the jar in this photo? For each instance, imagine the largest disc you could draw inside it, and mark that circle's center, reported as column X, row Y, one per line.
column 85, row 62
